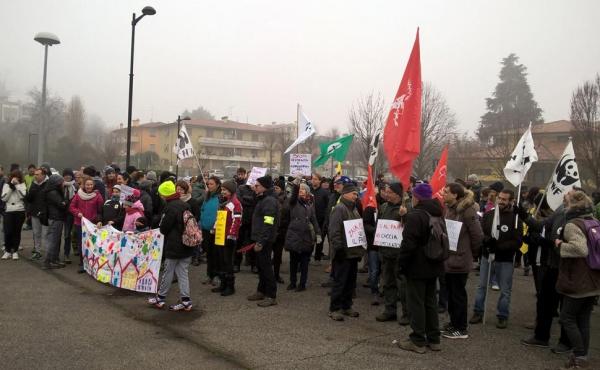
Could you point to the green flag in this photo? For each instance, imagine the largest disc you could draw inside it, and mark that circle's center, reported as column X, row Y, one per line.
column 337, row 149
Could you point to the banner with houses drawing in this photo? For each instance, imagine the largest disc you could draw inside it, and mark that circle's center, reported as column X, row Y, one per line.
column 122, row 259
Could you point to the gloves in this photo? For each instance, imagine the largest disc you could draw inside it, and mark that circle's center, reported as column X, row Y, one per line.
column 11, row 186
column 319, row 239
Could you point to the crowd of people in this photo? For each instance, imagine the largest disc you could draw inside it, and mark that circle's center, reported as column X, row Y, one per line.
column 299, row 214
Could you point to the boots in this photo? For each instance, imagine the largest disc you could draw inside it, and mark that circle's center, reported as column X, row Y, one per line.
column 221, row 286
column 229, row 285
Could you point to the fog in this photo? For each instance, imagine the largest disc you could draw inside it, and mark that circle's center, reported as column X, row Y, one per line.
column 255, row 60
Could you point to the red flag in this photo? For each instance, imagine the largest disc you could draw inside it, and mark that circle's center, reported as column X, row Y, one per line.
column 438, row 180
column 369, row 199
column 402, row 133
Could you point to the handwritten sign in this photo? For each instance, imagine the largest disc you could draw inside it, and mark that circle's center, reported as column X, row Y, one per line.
column 220, row 228
column 125, row 192
column 255, row 174
column 300, row 164
column 388, row 233
column 453, row 228
column 355, row 233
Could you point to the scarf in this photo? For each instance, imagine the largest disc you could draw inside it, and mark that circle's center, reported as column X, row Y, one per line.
column 578, row 213
column 185, row 197
column 86, row 196
column 43, row 181
column 173, row 197
column 69, row 189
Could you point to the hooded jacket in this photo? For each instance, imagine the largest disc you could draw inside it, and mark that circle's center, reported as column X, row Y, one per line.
column 510, row 238
column 345, row 210
column 112, row 210
column 56, row 203
column 265, row 218
column 301, row 215
column 14, row 197
column 248, row 199
column 412, row 260
column 470, row 237
column 389, row 211
column 34, row 199
column 551, row 226
column 171, row 226
column 145, row 198
column 208, row 212
column 90, row 209
column 234, row 217
column 321, row 200
column 136, row 211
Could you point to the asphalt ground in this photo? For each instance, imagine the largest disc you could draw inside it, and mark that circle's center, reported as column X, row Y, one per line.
column 59, row 319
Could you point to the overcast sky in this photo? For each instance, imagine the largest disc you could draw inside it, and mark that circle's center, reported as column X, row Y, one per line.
column 255, row 60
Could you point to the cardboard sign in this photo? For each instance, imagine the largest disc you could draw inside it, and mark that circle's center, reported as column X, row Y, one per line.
column 255, row 174
column 220, row 228
column 355, row 233
column 300, row 164
column 388, row 233
column 453, row 228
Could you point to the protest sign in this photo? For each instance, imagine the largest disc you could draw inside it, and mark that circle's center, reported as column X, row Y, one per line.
column 453, row 228
column 122, row 259
column 125, row 192
column 355, row 233
column 255, row 174
column 388, row 233
column 300, row 164
column 220, row 228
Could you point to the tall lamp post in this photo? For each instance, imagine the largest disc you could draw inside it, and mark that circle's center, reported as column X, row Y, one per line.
column 179, row 119
column 46, row 39
column 148, row 10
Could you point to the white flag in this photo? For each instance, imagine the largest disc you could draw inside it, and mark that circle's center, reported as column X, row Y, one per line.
column 305, row 130
column 521, row 159
column 564, row 178
column 496, row 223
column 377, row 138
column 183, row 147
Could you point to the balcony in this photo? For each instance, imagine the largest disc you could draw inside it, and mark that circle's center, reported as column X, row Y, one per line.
column 230, row 143
column 233, row 158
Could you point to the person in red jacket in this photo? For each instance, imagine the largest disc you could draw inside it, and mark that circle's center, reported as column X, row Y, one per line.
column 86, row 203
column 230, row 204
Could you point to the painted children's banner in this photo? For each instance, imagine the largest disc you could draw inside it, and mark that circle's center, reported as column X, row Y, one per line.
column 388, row 233
column 453, row 228
column 125, row 260
column 300, row 164
column 355, row 233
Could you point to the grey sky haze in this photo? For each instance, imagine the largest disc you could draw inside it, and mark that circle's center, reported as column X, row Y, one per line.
column 254, row 60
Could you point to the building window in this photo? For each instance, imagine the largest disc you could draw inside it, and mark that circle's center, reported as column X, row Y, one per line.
column 209, row 132
column 152, row 132
column 228, row 152
column 254, row 137
column 254, row 153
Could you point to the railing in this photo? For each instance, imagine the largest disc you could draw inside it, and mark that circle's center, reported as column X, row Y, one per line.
column 230, row 143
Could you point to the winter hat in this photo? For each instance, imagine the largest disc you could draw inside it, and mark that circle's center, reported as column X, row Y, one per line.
column 108, row 170
column 68, row 172
column 343, row 180
column 165, row 175
column 280, row 182
column 396, row 187
column 473, row 177
column 266, row 181
column 130, row 199
column 117, row 186
column 230, row 185
column 151, row 175
column 422, row 191
column 167, row 189
column 305, row 187
column 497, row 186
column 349, row 188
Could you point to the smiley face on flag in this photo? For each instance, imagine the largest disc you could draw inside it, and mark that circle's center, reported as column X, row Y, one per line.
column 333, row 147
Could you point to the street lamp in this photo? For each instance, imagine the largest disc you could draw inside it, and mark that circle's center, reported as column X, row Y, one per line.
column 148, row 10
column 46, row 39
column 179, row 119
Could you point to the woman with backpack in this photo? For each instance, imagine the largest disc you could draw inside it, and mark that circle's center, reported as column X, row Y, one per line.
column 177, row 255
column 578, row 278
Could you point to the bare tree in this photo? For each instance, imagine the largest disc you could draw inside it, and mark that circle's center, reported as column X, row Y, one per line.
column 75, row 120
column 438, row 124
column 367, row 117
column 284, row 139
column 585, row 117
column 271, row 145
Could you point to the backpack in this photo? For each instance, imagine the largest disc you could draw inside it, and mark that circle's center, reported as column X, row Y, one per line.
column 437, row 248
column 591, row 229
column 192, row 235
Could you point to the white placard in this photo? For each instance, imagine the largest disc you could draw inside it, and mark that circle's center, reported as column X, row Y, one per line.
column 388, row 233
column 255, row 174
column 453, row 228
column 125, row 192
column 300, row 163
column 355, row 233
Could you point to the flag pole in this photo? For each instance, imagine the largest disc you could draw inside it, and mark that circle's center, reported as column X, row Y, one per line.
column 298, row 126
column 200, row 168
column 522, row 178
column 178, row 129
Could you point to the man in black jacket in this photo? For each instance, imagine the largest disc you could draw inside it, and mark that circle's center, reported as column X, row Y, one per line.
column 421, row 272
column 500, row 242
column 57, row 213
column 321, row 197
column 36, row 207
column 264, row 233
column 2, row 209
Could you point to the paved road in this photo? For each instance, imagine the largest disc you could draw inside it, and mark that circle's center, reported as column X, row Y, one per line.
column 62, row 320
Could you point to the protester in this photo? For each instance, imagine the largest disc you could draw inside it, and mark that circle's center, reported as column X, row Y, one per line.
column 421, row 271
column 460, row 207
column 133, row 210
column 208, row 217
column 98, row 183
column 2, row 208
column 321, row 198
column 577, row 281
column 264, row 233
column 13, row 195
column 338, row 185
column 345, row 259
column 370, row 224
column 499, row 246
column 303, row 233
column 110, row 180
column 57, row 213
column 198, row 189
column 145, row 188
column 284, row 221
column 69, row 191
column 183, row 188
column 113, row 213
column 36, row 207
column 247, row 197
column 86, row 203
column 177, row 256
column 474, row 185
column 123, row 179
column 30, row 176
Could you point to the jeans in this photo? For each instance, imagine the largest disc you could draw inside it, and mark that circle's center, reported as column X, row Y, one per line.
column 457, row 300
column 374, row 271
column 344, row 283
column 53, row 241
column 13, row 222
column 299, row 259
column 266, row 277
column 422, row 304
column 212, row 258
column 40, row 234
column 504, row 274
column 575, row 319
column 180, row 268
column 68, row 231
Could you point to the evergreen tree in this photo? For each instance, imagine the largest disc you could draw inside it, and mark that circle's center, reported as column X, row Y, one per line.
column 198, row 113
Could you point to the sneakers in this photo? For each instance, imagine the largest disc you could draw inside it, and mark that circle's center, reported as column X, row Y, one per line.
column 576, row 363
column 495, row 287
column 435, row 347
column 456, row 334
column 15, row 256
column 386, row 316
column 408, row 345
column 267, row 302
column 501, row 323
column 6, row 255
column 404, row 320
column 258, row 296
column 181, row 306
column 35, row 255
column 534, row 342
column 350, row 313
column 477, row 318
column 561, row 348
column 156, row 301
column 67, row 260
column 336, row 316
